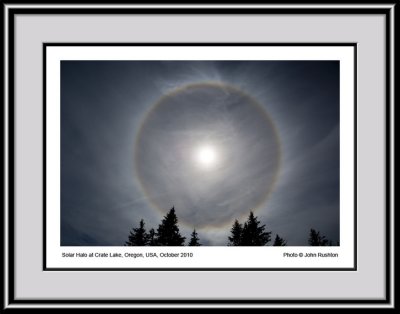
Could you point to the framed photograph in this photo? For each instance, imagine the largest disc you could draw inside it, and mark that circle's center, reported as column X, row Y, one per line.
column 146, row 144
column 205, row 140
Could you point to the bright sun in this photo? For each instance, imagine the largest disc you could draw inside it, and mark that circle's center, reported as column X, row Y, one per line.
column 206, row 156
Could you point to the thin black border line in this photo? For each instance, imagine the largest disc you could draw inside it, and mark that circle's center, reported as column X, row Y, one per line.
column 44, row 140
column 202, row 301
column 12, row 165
column 388, row 152
column 11, row 156
column 99, row 44
column 4, row 145
column 212, row 11
column 211, row 3
column 355, row 59
column 211, row 44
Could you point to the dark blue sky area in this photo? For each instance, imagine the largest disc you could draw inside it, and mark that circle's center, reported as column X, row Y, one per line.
column 103, row 104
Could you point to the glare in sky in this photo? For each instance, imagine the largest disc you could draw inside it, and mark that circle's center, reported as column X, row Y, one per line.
column 206, row 156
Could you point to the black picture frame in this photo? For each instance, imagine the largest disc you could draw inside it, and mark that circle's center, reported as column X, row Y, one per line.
column 10, row 300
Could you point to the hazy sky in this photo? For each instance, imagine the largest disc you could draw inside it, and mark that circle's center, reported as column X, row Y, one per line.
column 214, row 139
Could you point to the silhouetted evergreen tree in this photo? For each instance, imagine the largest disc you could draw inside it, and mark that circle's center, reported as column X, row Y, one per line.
column 315, row 239
column 194, row 240
column 152, row 238
column 279, row 241
column 168, row 231
column 138, row 236
column 253, row 233
column 236, row 234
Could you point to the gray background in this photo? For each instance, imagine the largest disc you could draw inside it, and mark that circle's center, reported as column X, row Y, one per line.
column 366, row 283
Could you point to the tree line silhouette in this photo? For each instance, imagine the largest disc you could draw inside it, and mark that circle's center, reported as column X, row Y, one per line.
column 250, row 233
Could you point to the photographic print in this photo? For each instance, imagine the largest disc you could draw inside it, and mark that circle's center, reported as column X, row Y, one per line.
column 199, row 154
column 224, row 146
